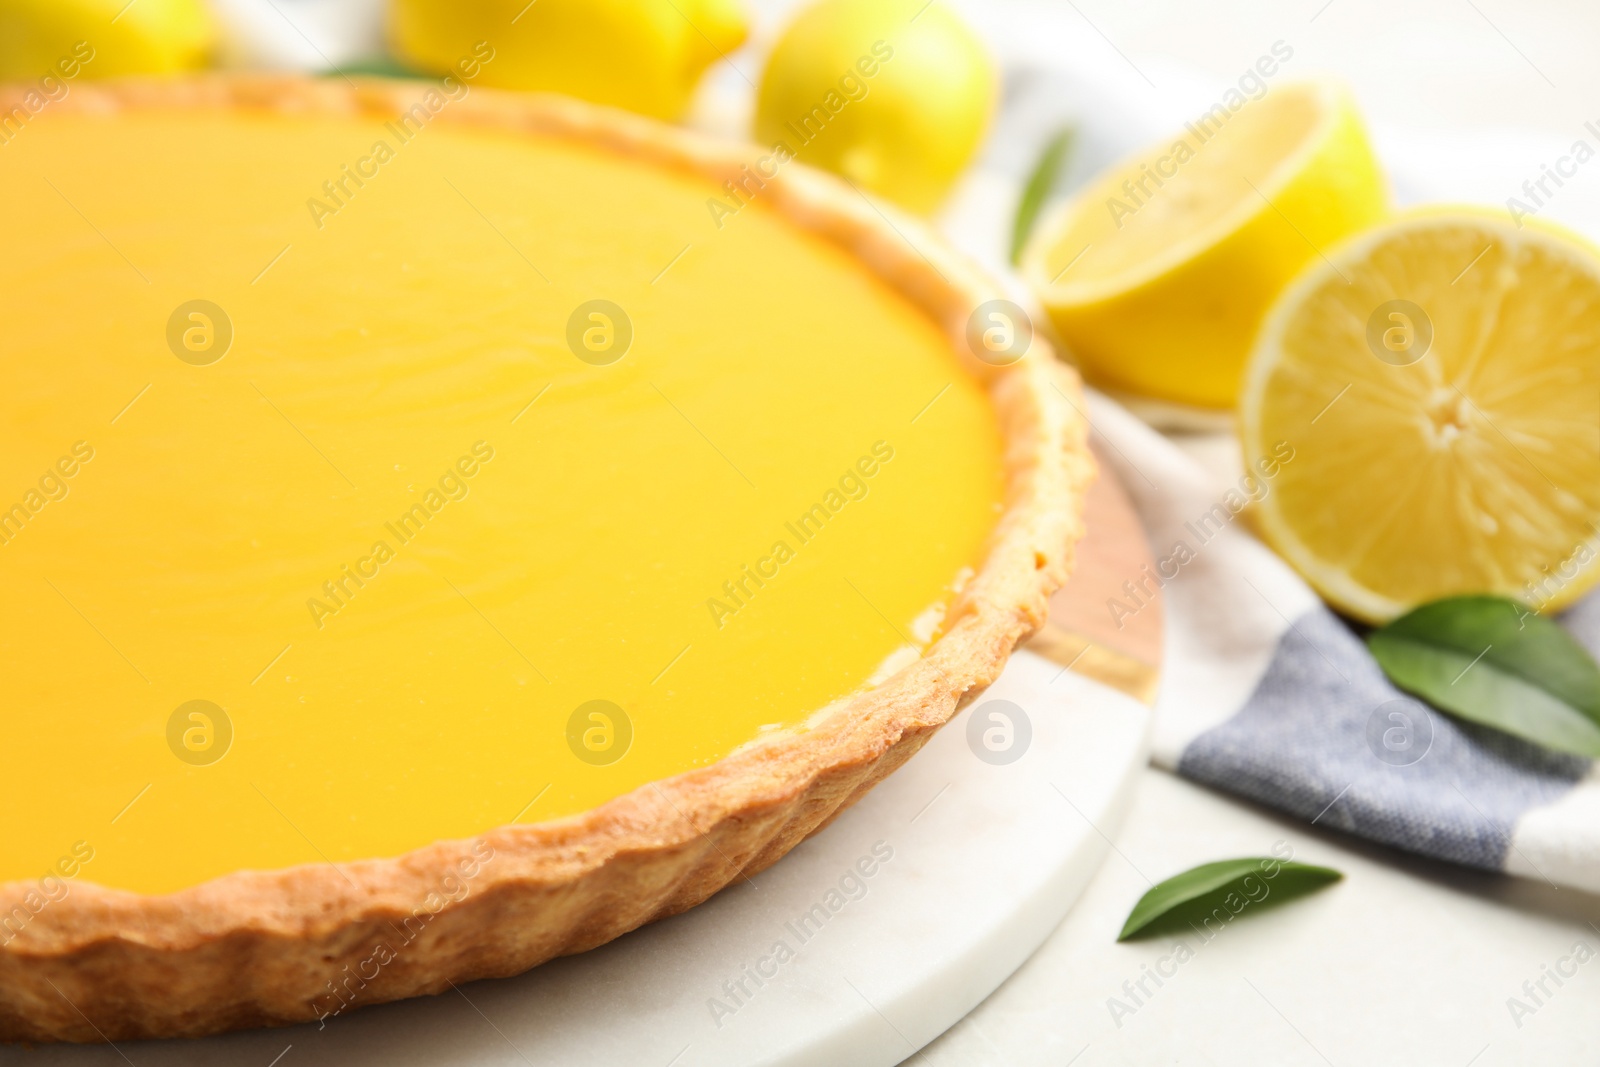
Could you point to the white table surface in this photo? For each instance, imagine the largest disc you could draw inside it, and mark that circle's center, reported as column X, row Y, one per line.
column 1404, row 962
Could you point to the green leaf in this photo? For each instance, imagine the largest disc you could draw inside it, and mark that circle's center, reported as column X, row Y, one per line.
column 1037, row 190
column 378, row 67
column 1233, row 886
column 1494, row 661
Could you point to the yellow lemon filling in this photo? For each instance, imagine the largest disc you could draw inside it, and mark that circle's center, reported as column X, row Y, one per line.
column 368, row 485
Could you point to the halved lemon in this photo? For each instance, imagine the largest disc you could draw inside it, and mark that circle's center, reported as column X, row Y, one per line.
column 1157, row 275
column 1435, row 386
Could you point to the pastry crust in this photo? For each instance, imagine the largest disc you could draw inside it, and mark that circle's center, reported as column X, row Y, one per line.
column 261, row 948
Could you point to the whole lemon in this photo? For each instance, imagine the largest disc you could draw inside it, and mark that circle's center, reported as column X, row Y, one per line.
column 893, row 94
column 102, row 38
column 642, row 55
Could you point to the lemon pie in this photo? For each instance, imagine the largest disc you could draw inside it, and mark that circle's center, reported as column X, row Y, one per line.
column 434, row 538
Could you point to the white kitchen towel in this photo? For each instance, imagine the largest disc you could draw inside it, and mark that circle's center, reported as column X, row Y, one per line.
column 1270, row 696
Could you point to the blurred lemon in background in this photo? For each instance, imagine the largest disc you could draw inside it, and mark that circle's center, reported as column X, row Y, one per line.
column 895, row 95
column 642, row 55
column 102, row 38
column 1157, row 275
column 1437, row 380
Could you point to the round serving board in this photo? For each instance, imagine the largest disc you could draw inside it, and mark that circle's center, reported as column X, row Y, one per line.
column 868, row 940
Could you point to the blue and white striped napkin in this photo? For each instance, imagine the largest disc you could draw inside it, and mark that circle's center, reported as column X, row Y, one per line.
column 1270, row 696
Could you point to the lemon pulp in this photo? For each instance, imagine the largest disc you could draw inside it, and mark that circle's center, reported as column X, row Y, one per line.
column 1134, row 221
column 1158, row 275
column 1438, row 382
column 246, row 532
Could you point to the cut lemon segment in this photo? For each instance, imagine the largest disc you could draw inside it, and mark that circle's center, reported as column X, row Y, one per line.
column 1436, row 382
column 1158, row 273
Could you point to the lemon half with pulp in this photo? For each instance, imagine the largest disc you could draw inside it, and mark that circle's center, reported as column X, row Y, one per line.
column 1438, row 382
column 1157, row 274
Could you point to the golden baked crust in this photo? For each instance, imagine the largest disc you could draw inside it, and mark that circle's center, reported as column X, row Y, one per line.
column 288, row 946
